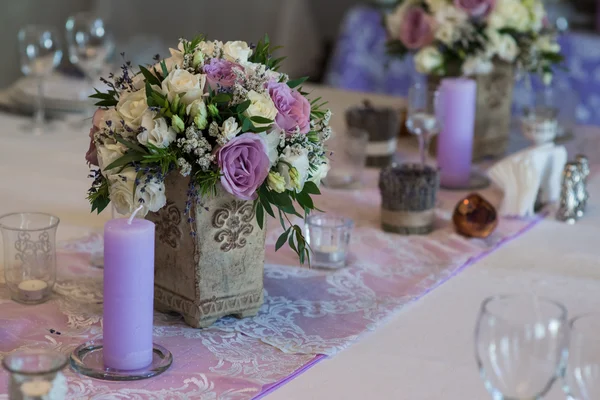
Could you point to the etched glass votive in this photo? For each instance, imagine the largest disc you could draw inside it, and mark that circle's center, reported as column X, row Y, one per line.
column 408, row 198
column 36, row 374
column 328, row 237
column 347, row 159
column 29, row 255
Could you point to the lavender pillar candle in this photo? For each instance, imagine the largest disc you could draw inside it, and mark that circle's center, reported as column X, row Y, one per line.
column 455, row 143
column 128, row 293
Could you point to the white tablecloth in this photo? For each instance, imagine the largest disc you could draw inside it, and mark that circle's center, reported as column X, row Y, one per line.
column 425, row 351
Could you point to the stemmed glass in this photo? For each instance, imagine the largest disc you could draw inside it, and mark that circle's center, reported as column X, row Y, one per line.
column 520, row 344
column 90, row 46
column 582, row 373
column 40, row 53
column 424, row 116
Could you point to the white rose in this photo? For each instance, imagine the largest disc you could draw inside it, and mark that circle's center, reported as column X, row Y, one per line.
column 120, row 190
column 477, row 65
column 297, row 157
column 110, row 120
column 503, row 45
column 547, row 44
column 229, row 129
column 182, row 82
column 320, row 173
column 449, row 22
column 510, row 14
column 237, row 51
column 156, row 131
column 138, row 81
column 211, row 49
column 428, row 59
column 131, row 107
column 272, row 139
column 150, row 195
column 107, row 154
column 261, row 106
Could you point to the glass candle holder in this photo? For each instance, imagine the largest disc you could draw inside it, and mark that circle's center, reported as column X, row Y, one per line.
column 29, row 255
column 328, row 237
column 36, row 374
column 347, row 159
column 540, row 125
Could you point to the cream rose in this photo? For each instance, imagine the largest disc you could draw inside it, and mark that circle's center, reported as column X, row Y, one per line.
column 237, row 52
column 110, row 120
column 320, row 173
column 181, row 82
column 547, row 44
column 477, row 65
column 502, row 45
column 211, row 49
column 428, row 59
column 229, row 129
column 107, row 154
column 272, row 139
column 261, row 106
column 197, row 110
column 297, row 158
column 156, row 131
column 151, row 195
column 121, row 187
column 510, row 14
column 131, row 107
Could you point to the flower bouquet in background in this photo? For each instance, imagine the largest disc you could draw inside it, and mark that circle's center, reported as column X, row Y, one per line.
column 207, row 142
column 483, row 39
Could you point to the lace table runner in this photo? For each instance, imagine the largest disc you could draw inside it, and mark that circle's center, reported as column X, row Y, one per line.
column 307, row 315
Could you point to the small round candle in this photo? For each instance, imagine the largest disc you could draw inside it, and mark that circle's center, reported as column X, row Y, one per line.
column 32, row 289
column 37, row 388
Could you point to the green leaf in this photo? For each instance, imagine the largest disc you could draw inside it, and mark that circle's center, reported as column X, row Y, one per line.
column 291, row 244
column 243, row 106
column 297, row 82
column 311, row 188
column 106, row 103
column 266, row 205
column 258, row 129
column 131, row 145
column 150, row 77
column 261, row 120
column 247, row 125
column 163, row 66
column 127, row 158
column 260, row 214
column 222, row 98
column 281, row 218
column 305, row 201
column 282, row 239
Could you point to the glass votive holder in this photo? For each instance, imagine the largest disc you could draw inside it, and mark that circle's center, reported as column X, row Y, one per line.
column 36, row 374
column 382, row 125
column 347, row 159
column 540, row 125
column 328, row 237
column 408, row 198
column 29, row 255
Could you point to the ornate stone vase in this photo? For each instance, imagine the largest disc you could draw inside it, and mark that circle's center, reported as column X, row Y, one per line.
column 210, row 266
column 493, row 112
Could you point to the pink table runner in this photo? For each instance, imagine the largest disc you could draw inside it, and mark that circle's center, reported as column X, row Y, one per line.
column 307, row 315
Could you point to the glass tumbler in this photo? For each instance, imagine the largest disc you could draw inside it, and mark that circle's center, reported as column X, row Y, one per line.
column 348, row 158
column 36, row 374
column 520, row 345
column 328, row 237
column 29, row 255
column 582, row 373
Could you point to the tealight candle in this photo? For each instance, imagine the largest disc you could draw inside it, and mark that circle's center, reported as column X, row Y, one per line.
column 36, row 388
column 32, row 290
column 128, row 293
column 328, row 237
column 329, row 254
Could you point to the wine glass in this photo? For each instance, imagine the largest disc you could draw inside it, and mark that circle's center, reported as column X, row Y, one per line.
column 423, row 117
column 40, row 53
column 90, row 46
column 520, row 344
column 582, row 374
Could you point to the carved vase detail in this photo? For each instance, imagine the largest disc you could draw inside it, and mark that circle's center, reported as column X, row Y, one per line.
column 167, row 227
column 234, row 224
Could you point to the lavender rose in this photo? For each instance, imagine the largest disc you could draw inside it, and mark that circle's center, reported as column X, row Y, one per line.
column 293, row 109
column 476, row 8
column 416, row 30
column 222, row 72
column 92, row 154
column 244, row 164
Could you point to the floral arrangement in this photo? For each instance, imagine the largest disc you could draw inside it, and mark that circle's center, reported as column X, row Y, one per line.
column 465, row 37
column 218, row 114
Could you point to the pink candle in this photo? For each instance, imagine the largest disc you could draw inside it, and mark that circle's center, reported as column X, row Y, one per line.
column 128, row 293
column 455, row 143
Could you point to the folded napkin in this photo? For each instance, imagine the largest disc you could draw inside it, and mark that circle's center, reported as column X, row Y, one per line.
column 528, row 174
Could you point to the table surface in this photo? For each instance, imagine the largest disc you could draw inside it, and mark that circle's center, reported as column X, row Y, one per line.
column 426, row 350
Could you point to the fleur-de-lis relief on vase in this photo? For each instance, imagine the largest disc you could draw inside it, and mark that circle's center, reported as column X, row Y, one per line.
column 234, row 224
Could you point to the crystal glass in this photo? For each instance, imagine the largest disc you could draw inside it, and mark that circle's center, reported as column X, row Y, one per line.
column 520, row 343
column 36, row 374
column 348, row 158
column 423, row 117
column 582, row 373
column 328, row 237
column 29, row 255
column 40, row 53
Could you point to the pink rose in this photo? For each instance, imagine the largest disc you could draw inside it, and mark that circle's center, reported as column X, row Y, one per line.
column 416, row 30
column 293, row 109
column 244, row 164
column 476, row 8
column 223, row 73
column 92, row 154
